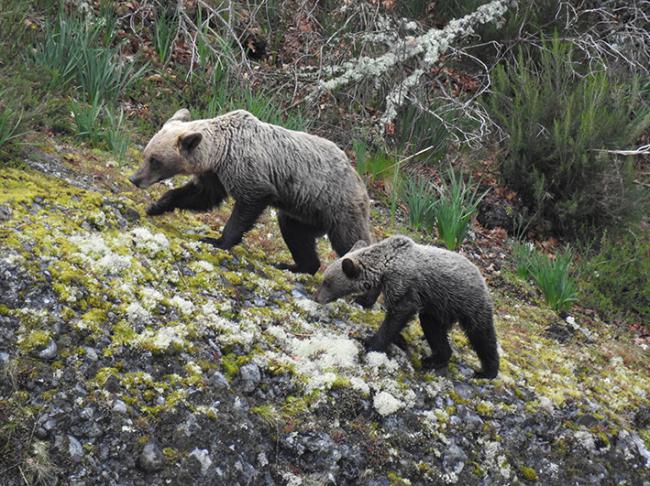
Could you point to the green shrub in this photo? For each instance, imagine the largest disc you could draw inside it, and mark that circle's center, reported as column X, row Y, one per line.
column 418, row 196
column 454, row 208
column 615, row 277
column 558, row 122
column 551, row 275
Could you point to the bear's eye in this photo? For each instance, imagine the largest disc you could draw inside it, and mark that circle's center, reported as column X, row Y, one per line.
column 154, row 163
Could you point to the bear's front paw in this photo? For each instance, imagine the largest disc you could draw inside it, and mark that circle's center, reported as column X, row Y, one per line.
column 375, row 344
column 215, row 242
column 155, row 209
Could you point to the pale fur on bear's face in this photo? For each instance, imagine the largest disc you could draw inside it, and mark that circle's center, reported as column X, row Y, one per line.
column 166, row 154
column 343, row 277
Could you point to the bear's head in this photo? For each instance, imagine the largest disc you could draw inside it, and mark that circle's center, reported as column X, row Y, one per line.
column 170, row 151
column 343, row 277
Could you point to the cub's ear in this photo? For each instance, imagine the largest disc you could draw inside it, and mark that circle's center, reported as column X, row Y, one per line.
column 189, row 141
column 182, row 115
column 350, row 269
column 358, row 245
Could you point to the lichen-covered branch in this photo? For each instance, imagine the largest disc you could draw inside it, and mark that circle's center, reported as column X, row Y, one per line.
column 426, row 49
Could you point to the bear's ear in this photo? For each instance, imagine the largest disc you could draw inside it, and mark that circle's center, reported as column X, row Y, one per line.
column 350, row 269
column 358, row 245
column 189, row 141
column 182, row 115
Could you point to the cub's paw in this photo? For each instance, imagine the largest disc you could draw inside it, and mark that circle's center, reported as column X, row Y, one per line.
column 433, row 362
column 486, row 375
column 295, row 268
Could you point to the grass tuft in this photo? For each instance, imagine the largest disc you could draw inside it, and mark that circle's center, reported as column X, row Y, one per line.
column 453, row 210
column 551, row 275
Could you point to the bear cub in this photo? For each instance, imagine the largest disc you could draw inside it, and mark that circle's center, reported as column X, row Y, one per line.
column 308, row 179
column 441, row 286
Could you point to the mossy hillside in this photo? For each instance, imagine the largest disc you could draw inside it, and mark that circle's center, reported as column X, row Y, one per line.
column 140, row 291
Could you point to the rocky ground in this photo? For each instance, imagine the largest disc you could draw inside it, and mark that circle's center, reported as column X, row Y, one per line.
column 132, row 354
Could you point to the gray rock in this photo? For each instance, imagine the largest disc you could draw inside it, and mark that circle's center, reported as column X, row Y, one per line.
column 119, row 406
column 202, row 456
column 5, row 212
column 151, row 458
column 49, row 352
column 75, row 450
column 218, row 381
column 251, row 376
column 91, row 354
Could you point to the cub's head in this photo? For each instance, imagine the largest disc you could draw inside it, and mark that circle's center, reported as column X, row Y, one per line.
column 343, row 277
column 169, row 152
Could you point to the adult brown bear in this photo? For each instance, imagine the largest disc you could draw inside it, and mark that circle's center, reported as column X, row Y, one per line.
column 307, row 178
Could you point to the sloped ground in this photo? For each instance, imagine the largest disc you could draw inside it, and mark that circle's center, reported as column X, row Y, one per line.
column 132, row 354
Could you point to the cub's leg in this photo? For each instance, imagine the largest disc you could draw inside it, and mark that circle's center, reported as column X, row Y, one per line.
column 301, row 241
column 343, row 237
column 482, row 337
column 436, row 333
column 397, row 317
column 196, row 196
column 243, row 217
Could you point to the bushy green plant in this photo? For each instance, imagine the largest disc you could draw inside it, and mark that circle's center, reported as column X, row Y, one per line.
column 116, row 135
column 164, row 32
column 61, row 49
column 559, row 122
column 551, row 275
column 10, row 122
column 615, row 277
column 76, row 50
column 87, row 119
column 378, row 165
column 102, row 76
column 418, row 196
column 421, row 131
column 454, row 208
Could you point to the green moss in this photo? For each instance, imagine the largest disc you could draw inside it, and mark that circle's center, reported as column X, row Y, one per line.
column 396, row 480
column 231, row 363
column 484, row 408
column 528, row 473
column 36, row 339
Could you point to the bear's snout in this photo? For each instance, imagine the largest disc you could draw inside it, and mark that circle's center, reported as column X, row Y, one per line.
column 320, row 297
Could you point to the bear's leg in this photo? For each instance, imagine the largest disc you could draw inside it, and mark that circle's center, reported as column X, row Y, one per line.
column 436, row 333
column 243, row 217
column 343, row 237
column 194, row 196
column 483, row 339
column 396, row 319
column 301, row 241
